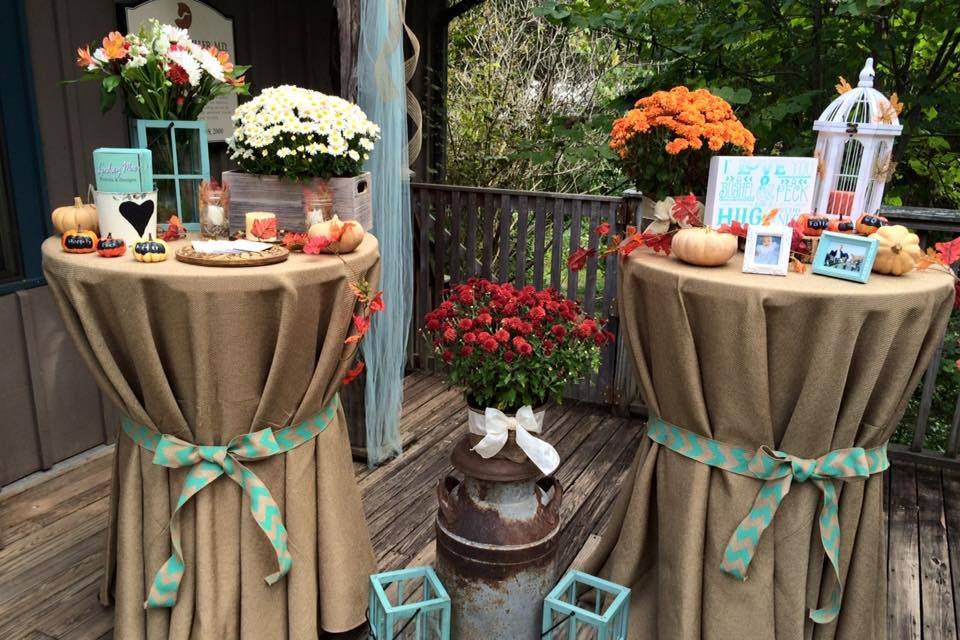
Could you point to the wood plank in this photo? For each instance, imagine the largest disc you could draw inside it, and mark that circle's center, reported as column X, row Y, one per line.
column 903, row 581
column 951, row 504
column 539, row 241
column 936, row 595
column 506, row 224
column 523, row 216
column 473, row 266
column 486, row 270
column 926, row 399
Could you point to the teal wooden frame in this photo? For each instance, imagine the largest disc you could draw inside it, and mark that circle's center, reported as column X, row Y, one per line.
column 610, row 623
column 384, row 615
column 140, row 140
column 828, row 238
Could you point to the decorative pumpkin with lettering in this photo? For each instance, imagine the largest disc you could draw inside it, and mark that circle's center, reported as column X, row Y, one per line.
column 79, row 241
column 75, row 216
column 703, row 246
column 111, row 247
column 898, row 250
column 838, row 225
column 150, row 250
column 813, row 225
column 350, row 233
column 868, row 224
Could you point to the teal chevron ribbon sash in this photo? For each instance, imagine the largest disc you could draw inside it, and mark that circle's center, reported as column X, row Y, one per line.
column 209, row 462
column 778, row 470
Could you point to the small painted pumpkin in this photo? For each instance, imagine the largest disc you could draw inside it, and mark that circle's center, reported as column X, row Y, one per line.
column 838, row 225
column 703, row 246
column 351, row 234
column 868, row 224
column 77, row 215
column 79, row 241
column 150, row 250
column 111, row 247
column 813, row 225
column 898, row 250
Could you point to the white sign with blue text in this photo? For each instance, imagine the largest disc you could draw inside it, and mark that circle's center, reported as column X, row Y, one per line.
column 747, row 188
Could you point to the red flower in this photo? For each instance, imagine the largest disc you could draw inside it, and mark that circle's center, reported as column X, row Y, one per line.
column 489, row 345
column 578, row 259
column 353, row 374
column 466, row 324
column 483, row 336
column 586, row 328
column 485, row 318
column 466, row 296
column 522, row 346
column 548, row 346
column 177, row 75
column 466, row 351
column 558, row 330
column 502, row 335
column 508, row 356
column 602, row 229
column 470, row 337
column 432, row 324
column 536, row 314
column 448, row 356
column 449, row 334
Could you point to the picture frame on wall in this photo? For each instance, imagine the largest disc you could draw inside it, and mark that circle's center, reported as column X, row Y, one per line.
column 840, row 255
column 767, row 250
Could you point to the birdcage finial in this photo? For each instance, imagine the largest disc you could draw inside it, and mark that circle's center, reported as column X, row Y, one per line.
column 867, row 74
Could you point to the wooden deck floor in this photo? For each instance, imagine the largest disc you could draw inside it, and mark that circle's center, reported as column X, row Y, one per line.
column 52, row 534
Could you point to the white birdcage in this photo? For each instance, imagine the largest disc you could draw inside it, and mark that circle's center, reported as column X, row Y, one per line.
column 855, row 136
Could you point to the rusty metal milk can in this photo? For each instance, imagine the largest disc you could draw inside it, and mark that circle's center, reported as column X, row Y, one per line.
column 497, row 536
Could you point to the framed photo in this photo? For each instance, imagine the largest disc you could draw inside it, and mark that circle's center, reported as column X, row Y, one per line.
column 841, row 255
column 767, row 250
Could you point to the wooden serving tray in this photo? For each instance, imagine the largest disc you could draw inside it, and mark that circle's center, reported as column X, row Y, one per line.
column 272, row 255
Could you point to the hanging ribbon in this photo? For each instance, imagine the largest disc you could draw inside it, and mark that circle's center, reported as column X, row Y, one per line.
column 209, row 462
column 495, row 427
column 778, row 470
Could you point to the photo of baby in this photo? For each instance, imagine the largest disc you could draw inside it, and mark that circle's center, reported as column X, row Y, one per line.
column 768, row 249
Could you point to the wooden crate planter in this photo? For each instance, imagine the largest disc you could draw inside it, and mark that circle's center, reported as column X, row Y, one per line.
column 284, row 197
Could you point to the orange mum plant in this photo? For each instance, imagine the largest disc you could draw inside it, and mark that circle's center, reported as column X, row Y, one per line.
column 679, row 121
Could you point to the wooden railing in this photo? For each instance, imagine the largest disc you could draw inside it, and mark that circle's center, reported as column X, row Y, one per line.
column 525, row 237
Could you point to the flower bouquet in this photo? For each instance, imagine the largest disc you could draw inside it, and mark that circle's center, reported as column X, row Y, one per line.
column 289, row 138
column 162, row 74
column 512, row 350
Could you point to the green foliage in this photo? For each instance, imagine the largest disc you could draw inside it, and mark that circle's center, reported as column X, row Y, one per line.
column 776, row 62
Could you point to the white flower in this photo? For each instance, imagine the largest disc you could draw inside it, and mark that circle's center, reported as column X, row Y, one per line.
column 136, row 61
column 353, row 155
column 101, row 55
column 188, row 63
column 209, row 63
column 175, row 34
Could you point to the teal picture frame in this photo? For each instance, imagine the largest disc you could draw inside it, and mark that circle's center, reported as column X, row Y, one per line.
column 829, row 259
column 169, row 141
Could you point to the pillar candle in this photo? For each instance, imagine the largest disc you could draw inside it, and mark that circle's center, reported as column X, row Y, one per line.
column 252, row 217
column 215, row 214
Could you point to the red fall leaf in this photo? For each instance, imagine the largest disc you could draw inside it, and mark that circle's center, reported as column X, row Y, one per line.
column 362, row 325
column 949, row 251
column 317, row 244
column 659, row 242
column 264, row 228
column 686, row 210
column 578, row 259
column 353, row 373
column 377, row 304
column 736, row 228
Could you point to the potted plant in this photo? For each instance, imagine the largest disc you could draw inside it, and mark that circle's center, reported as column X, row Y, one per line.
column 689, row 126
column 288, row 142
column 512, row 351
column 165, row 80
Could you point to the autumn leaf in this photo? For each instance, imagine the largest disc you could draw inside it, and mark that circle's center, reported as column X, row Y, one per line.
column 930, row 258
column 949, row 251
column 602, row 229
column 842, row 86
column 896, row 104
column 353, row 373
column 630, row 244
column 578, row 259
column 361, row 290
column 295, row 241
column 174, row 230
column 377, row 304
column 767, row 219
column 686, row 211
column 317, row 244
column 797, row 266
column 736, row 228
column 661, row 242
column 264, row 228
column 362, row 325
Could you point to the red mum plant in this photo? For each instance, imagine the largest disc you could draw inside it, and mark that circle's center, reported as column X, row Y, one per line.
column 510, row 347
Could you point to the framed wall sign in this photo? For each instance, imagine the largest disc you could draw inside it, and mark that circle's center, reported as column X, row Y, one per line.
column 207, row 27
column 746, row 188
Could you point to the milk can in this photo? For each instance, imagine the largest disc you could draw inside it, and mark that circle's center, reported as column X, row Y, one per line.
column 497, row 533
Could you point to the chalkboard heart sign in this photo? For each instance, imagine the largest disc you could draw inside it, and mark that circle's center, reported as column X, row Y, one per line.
column 137, row 214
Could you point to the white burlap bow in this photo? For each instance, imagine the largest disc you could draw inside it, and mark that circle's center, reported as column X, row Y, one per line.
column 495, row 427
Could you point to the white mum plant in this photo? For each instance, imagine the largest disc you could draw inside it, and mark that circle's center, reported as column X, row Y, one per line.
column 298, row 133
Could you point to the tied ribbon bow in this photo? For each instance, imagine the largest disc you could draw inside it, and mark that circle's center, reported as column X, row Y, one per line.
column 778, row 470
column 495, row 427
column 207, row 463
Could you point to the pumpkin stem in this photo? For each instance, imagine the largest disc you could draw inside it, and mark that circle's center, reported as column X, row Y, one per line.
column 896, row 248
column 77, row 202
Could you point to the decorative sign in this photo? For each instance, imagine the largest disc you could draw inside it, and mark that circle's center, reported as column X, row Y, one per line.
column 207, row 27
column 123, row 170
column 746, row 188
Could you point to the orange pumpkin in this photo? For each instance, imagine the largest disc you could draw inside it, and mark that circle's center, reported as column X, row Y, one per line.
column 838, row 225
column 111, row 247
column 868, row 224
column 79, row 241
column 812, row 225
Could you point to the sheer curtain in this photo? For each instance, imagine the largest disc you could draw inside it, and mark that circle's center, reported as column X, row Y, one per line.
column 381, row 93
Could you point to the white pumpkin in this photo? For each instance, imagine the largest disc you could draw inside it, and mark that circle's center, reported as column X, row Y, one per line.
column 703, row 246
column 350, row 238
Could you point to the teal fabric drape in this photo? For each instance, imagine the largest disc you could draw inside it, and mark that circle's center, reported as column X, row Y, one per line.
column 381, row 90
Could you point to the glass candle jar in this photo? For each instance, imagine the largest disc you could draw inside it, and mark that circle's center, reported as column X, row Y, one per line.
column 214, row 211
column 317, row 206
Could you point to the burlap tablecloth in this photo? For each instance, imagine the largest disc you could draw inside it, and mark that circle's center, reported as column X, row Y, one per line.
column 805, row 364
column 206, row 354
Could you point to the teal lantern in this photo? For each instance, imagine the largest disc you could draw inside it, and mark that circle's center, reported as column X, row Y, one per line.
column 181, row 161
column 582, row 606
column 409, row 604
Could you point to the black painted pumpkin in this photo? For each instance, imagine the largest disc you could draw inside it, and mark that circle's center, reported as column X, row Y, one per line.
column 111, row 247
column 79, row 241
column 868, row 224
column 812, row 225
column 841, row 226
column 150, row 250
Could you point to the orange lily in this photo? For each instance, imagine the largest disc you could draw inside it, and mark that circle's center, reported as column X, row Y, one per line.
column 115, row 46
column 223, row 58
